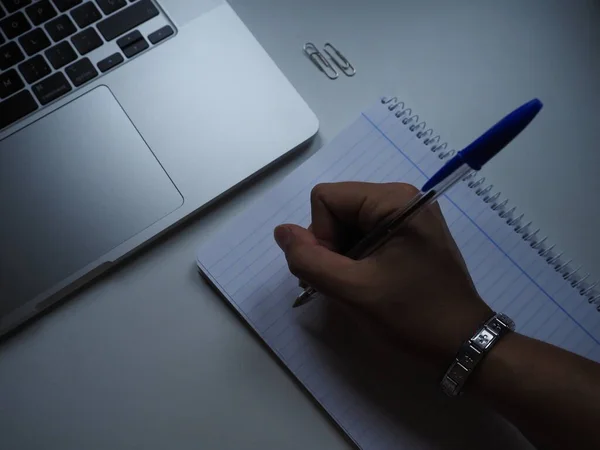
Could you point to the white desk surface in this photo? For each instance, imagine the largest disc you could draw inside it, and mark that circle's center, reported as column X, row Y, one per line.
column 149, row 357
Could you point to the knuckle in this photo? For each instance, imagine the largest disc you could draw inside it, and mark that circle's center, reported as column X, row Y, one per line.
column 393, row 196
column 408, row 189
column 398, row 194
column 318, row 191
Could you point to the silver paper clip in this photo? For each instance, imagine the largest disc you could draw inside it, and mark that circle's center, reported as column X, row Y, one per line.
column 313, row 53
column 340, row 60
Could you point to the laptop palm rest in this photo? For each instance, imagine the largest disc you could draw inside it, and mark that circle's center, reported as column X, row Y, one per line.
column 73, row 186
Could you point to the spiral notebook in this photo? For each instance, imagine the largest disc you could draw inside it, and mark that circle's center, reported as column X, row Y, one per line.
column 513, row 266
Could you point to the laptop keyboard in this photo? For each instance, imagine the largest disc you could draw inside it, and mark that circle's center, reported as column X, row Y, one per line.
column 45, row 47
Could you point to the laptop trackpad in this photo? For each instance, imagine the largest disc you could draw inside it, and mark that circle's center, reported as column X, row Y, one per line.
column 73, row 186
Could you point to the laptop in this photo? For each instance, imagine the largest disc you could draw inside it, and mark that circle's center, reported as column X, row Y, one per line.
column 119, row 119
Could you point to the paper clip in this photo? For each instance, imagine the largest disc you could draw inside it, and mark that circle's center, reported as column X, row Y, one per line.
column 319, row 60
column 341, row 61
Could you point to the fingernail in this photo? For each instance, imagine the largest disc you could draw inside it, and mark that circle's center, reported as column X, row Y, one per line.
column 283, row 237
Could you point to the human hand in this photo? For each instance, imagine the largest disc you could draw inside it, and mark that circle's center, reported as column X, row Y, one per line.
column 416, row 287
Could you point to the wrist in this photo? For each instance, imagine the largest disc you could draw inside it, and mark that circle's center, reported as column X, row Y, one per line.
column 498, row 364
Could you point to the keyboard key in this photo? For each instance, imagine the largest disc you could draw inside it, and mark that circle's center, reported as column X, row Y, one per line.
column 161, row 34
column 10, row 83
column 15, row 25
column 86, row 14
column 127, row 19
column 61, row 54
column 129, row 39
column 16, row 107
column 13, row 5
column 42, row 11
column 110, row 6
column 34, row 69
column 110, row 62
column 81, row 72
column 34, row 41
column 86, row 41
column 135, row 48
column 51, row 88
column 64, row 5
column 60, row 28
column 10, row 54
column 132, row 43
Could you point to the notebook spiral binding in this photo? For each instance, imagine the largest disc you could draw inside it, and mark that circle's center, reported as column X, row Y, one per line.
column 569, row 271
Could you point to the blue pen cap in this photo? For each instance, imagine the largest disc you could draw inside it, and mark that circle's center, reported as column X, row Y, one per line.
column 500, row 135
column 489, row 144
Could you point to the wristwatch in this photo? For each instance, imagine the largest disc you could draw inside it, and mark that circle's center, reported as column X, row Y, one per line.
column 473, row 351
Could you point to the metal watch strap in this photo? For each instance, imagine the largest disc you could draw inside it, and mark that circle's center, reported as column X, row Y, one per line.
column 473, row 351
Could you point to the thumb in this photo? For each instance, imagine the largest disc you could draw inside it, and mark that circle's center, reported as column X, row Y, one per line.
column 328, row 272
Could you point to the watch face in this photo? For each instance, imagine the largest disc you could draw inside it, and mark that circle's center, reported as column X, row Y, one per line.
column 506, row 321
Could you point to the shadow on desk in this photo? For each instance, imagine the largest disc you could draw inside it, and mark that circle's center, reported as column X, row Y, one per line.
column 398, row 390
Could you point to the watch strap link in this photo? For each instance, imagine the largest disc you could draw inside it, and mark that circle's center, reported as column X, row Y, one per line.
column 473, row 351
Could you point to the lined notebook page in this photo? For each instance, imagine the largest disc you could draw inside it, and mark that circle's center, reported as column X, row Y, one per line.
column 246, row 265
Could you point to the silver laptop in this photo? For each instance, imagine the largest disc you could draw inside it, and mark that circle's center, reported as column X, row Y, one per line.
column 118, row 119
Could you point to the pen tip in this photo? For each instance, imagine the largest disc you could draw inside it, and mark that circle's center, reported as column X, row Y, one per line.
column 303, row 298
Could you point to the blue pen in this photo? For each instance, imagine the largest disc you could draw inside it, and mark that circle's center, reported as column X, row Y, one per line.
column 471, row 158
